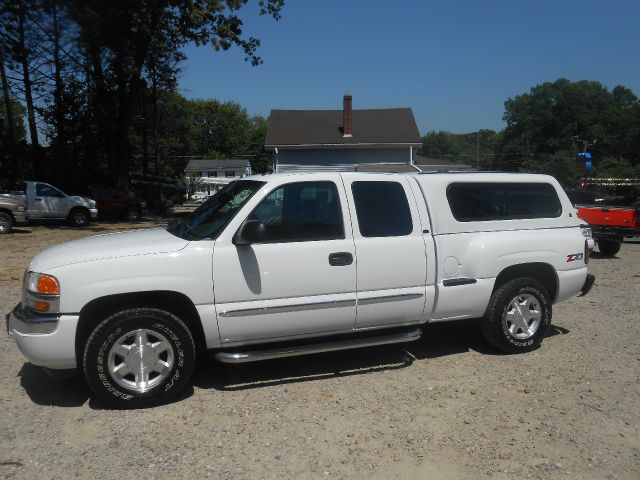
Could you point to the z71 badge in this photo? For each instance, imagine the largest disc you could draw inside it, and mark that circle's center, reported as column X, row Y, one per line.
column 572, row 257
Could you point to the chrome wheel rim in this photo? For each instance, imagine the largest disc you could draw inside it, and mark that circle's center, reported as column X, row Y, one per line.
column 140, row 360
column 132, row 214
column 522, row 317
column 4, row 224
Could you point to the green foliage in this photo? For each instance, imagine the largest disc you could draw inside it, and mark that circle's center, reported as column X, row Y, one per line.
column 469, row 148
column 196, row 127
column 104, row 73
column 554, row 121
column 18, row 112
column 441, row 144
column 610, row 167
column 192, row 182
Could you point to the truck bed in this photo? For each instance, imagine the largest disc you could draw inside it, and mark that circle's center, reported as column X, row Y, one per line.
column 623, row 217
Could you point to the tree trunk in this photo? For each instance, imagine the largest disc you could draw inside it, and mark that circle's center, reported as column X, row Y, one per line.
column 31, row 117
column 58, row 89
column 11, row 126
column 154, row 113
column 8, row 105
column 145, row 136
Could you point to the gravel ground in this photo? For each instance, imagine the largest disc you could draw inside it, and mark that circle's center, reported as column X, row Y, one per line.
column 447, row 406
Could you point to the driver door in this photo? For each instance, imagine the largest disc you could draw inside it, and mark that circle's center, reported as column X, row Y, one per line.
column 48, row 202
column 299, row 278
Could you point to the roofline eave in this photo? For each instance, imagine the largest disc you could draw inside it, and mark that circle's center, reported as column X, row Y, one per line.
column 342, row 145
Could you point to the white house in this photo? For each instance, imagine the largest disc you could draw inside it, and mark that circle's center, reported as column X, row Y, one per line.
column 215, row 173
column 341, row 140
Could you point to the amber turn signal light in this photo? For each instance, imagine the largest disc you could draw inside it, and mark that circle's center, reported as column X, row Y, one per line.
column 48, row 285
column 41, row 306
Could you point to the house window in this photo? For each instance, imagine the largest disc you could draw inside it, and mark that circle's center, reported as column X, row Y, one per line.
column 213, row 174
column 229, row 173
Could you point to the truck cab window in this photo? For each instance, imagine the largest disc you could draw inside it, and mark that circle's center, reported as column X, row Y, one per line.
column 44, row 190
column 382, row 209
column 303, row 211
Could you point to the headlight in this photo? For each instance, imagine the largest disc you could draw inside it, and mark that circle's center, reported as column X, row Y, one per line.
column 19, row 208
column 41, row 293
column 92, row 203
column 42, row 284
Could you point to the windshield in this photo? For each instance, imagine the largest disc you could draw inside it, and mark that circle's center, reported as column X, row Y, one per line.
column 210, row 218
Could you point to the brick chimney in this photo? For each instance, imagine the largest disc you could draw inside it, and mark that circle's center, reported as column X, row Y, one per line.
column 346, row 116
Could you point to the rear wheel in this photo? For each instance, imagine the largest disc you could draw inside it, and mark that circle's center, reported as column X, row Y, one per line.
column 609, row 246
column 518, row 316
column 139, row 358
column 6, row 222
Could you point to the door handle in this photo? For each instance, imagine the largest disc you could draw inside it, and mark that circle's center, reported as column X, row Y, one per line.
column 340, row 259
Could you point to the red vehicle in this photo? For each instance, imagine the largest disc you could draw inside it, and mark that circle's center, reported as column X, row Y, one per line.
column 611, row 217
column 110, row 202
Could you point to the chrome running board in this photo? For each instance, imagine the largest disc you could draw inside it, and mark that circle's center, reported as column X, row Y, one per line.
column 256, row 355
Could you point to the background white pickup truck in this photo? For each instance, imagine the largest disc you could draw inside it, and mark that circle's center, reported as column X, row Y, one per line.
column 282, row 265
column 45, row 201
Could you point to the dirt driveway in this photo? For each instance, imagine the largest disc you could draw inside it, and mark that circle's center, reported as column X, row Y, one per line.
column 447, row 406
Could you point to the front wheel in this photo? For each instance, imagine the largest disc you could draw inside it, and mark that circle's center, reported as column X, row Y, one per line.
column 518, row 316
column 79, row 217
column 139, row 358
column 132, row 214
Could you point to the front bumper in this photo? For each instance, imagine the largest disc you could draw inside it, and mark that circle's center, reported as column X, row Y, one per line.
column 45, row 341
column 21, row 217
column 94, row 213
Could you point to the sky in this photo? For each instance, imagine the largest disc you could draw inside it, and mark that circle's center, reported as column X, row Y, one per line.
column 453, row 62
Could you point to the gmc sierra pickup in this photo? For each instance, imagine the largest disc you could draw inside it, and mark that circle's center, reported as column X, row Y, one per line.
column 287, row 264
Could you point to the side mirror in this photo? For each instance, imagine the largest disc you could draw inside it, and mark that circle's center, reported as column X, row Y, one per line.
column 251, row 231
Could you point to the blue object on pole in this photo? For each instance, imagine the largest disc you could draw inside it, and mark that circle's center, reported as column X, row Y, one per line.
column 587, row 166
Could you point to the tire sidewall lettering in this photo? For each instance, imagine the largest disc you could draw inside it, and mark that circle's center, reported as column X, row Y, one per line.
column 544, row 323
column 140, row 319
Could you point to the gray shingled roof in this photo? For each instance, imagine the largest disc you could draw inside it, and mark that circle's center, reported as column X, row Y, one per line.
column 324, row 127
column 440, row 164
column 204, row 164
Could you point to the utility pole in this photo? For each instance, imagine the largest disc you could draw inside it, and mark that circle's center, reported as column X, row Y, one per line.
column 478, row 150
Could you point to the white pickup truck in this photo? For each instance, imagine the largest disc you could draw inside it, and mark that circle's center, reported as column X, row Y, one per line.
column 288, row 264
column 46, row 202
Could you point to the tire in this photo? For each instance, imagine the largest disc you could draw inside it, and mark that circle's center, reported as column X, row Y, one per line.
column 6, row 223
column 132, row 214
column 507, row 327
column 609, row 246
column 114, row 364
column 79, row 217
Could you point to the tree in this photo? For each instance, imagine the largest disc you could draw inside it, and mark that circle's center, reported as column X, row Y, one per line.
column 124, row 37
column 543, row 126
column 441, row 144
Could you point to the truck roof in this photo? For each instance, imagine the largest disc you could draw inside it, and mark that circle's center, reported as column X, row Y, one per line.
column 423, row 177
